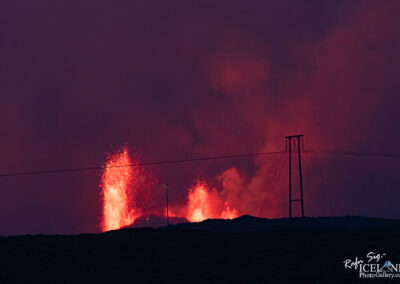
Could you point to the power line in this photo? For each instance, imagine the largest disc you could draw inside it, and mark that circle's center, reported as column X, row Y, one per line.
column 272, row 184
column 69, row 170
column 320, row 184
column 359, row 154
column 268, row 185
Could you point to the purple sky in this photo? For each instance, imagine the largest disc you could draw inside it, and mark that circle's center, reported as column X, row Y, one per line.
column 182, row 79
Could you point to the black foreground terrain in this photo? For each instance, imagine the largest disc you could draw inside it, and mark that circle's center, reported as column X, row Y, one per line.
column 244, row 250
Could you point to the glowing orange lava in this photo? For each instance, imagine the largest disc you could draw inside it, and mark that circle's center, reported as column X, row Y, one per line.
column 199, row 203
column 115, row 184
column 229, row 213
column 204, row 203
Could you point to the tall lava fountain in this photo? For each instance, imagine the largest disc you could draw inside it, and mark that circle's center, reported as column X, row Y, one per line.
column 116, row 183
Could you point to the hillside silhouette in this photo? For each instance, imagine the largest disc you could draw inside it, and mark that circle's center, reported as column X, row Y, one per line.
column 243, row 250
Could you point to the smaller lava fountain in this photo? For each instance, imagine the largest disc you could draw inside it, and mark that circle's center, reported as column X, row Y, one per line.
column 204, row 203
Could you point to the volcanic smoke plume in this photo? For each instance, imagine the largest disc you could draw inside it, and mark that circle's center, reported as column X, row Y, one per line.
column 116, row 187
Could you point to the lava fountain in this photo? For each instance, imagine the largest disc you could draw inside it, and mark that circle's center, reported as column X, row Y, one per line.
column 204, row 203
column 116, row 184
column 199, row 203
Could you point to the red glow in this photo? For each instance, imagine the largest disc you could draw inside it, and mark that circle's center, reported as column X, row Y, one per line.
column 115, row 184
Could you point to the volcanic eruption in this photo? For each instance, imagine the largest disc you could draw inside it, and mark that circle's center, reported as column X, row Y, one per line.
column 124, row 184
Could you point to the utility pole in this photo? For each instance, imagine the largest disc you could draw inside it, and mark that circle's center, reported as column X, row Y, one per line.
column 299, row 139
column 166, row 194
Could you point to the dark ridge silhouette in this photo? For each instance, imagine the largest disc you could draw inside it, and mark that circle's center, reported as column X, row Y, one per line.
column 243, row 250
column 250, row 223
column 154, row 221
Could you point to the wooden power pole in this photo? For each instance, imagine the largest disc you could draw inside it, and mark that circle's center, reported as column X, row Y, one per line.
column 299, row 139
